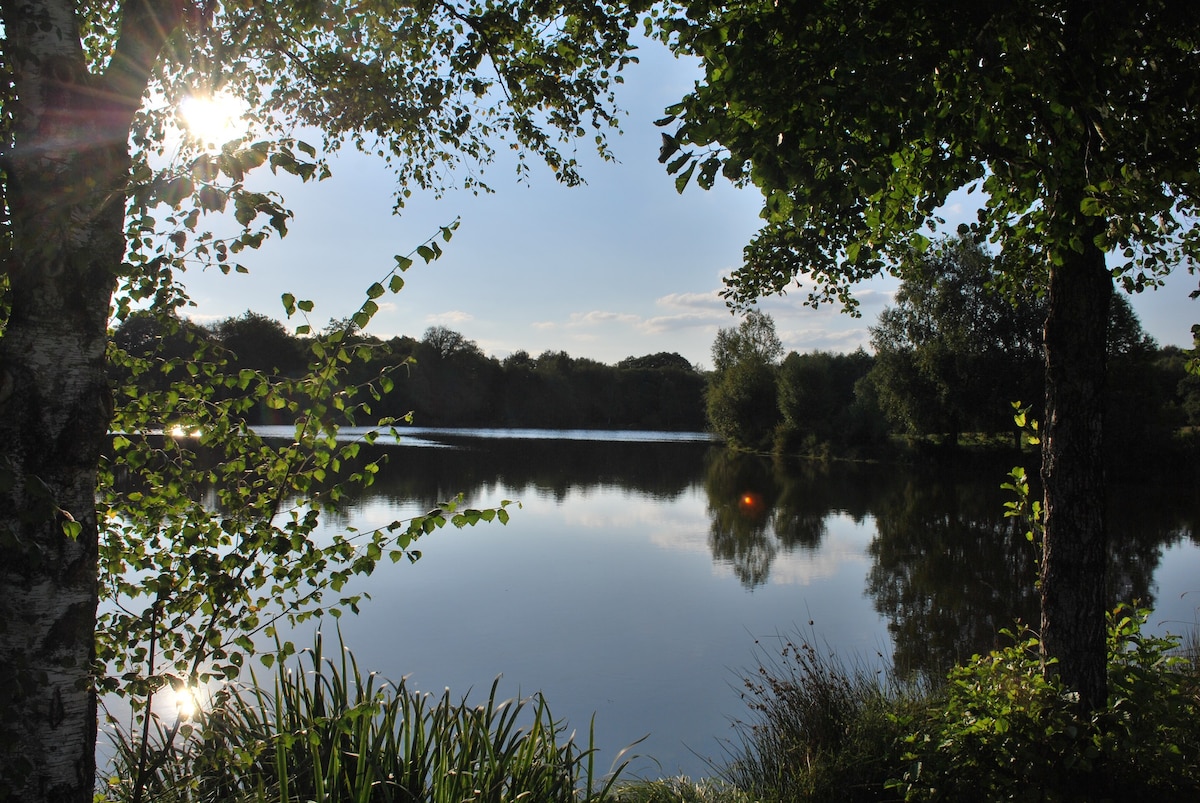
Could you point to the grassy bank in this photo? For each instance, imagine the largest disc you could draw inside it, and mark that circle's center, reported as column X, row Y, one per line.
column 818, row 730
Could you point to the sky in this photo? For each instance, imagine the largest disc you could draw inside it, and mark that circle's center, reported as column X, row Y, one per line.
column 623, row 266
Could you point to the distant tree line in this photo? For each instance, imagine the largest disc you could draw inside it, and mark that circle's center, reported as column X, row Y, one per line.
column 443, row 378
column 951, row 355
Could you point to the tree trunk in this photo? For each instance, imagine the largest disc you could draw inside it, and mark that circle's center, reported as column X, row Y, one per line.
column 1075, row 548
column 65, row 172
column 55, row 406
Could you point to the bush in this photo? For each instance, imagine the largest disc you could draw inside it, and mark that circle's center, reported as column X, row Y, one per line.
column 1006, row 732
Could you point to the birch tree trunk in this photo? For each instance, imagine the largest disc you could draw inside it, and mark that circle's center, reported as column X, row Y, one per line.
column 65, row 173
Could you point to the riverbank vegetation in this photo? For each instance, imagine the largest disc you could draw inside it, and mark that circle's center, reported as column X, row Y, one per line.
column 948, row 358
column 443, row 378
column 994, row 728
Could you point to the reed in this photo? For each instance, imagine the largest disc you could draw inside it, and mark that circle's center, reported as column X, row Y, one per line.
column 323, row 731
column 820, row 729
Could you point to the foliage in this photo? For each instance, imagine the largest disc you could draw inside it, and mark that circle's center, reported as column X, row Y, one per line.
column 953, row 343
column 741, row 398
column 857, row 126
column 679, row 790
column 327, row 732
column 660, row 361
column 822, row 730
column 742, row 405
column 444, row 379
column 753, row 340
column 996, row 729
column 822, row 406
column 213, row 533
column 1024, row 506
column 1006, row 731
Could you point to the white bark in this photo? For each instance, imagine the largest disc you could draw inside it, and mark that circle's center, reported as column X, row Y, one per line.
column 65, row 172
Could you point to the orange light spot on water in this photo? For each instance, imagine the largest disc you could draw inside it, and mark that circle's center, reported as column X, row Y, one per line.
column 750, row 503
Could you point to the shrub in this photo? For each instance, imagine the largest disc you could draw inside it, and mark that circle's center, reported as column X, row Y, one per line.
column 1006, row 732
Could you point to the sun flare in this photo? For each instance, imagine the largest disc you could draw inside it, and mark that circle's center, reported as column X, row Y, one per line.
column 213, row 120
column 184, row 701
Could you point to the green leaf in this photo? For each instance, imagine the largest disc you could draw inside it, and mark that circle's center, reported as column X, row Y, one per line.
column 681, row 181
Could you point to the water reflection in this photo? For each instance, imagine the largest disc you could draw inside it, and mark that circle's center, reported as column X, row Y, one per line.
column 637, row 577
column 947, row 569
column 743, row 493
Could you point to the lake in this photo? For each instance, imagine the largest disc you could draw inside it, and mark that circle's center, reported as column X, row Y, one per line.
column 643, row 573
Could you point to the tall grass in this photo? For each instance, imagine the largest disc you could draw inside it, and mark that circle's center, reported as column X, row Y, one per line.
column 327, row 733
column 679, row 790
column 820, row 730
column 996, row 728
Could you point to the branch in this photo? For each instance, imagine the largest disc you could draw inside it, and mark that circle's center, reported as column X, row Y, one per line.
column 146, row 25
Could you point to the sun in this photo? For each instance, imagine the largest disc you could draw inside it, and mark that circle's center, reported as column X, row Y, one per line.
column 213, row 120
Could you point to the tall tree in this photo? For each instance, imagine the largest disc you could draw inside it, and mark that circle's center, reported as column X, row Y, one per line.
column 954, row 349
column 753, row 340
column 741, row 401
column 88, row 96
column 858, row 120
column 819, row 403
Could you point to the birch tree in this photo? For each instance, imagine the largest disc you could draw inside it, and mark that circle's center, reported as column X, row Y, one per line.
column 101, row 208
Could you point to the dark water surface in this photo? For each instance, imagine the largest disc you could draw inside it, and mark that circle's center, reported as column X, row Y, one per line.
column 640, row 573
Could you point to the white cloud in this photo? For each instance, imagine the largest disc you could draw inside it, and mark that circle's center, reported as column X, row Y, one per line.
column 600, row 317
column 710, row 300
column 690, row 320
column 449, row 318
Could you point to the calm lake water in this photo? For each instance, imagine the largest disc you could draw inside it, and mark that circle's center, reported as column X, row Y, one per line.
column 642, row 572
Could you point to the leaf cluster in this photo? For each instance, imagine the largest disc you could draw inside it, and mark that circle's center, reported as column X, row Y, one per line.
column 1008, row 731
column 430, row 87
column 212, row 534
column 857, row 122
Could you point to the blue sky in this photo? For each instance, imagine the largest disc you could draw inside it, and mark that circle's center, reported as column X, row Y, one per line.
column 623, row 266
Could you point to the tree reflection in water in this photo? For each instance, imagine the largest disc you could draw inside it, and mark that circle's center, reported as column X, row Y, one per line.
column 948, row 570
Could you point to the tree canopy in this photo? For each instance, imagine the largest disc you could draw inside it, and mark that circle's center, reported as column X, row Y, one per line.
column 954, row 350
column 1076, row 124
column 107, row 201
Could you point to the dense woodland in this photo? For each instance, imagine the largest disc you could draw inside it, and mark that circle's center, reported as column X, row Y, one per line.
column 951, row 356
column 444, row 379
